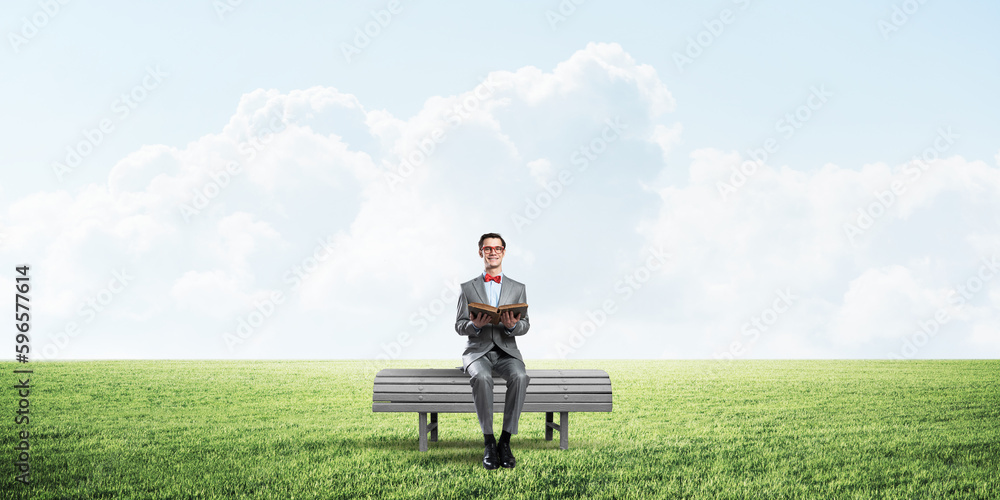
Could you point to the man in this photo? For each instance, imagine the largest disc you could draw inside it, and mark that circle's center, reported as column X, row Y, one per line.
column 494, row 348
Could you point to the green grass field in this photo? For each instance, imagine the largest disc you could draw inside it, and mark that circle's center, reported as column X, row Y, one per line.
column 679, row 429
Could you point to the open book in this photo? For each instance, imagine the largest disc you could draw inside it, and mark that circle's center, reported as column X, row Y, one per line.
column 494, row 312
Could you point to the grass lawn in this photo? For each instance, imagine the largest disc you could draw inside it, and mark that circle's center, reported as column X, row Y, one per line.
column 679, row 429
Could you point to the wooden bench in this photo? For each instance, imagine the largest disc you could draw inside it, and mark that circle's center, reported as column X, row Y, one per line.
column 432, row 391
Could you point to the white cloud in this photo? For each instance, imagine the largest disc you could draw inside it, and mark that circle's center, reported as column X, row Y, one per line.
column 883, row 302
column 784, row 228
column 292, row 170
column 541, row 170
column 666, row 137
column 985, row 336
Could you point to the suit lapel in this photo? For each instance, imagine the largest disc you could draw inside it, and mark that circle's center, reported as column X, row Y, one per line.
column 506, row 292
column 480, row 289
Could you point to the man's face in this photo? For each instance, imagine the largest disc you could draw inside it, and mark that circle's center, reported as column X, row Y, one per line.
column 491, row 257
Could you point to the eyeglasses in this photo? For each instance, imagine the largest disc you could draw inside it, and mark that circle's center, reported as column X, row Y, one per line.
column 494, row 249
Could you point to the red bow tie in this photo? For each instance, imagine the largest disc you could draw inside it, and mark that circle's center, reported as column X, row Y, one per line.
column 487, row 277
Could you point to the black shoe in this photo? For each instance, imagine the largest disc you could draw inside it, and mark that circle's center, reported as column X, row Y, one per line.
column 490, row 460
column 506, row 457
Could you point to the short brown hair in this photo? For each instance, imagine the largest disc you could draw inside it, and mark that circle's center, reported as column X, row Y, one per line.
column 491, row 235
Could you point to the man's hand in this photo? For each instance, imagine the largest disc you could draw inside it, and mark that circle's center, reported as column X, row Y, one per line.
column 508, row 319
column 480, row 319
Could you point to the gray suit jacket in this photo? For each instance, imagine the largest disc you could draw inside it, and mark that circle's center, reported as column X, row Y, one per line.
column 474, row 290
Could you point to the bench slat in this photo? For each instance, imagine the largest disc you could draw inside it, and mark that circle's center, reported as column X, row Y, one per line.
column 396, row 397
column 455, row 372
column 430, row 389
column 496, row 380
column 497, row 407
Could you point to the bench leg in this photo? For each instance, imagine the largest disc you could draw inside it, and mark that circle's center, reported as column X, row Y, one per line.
column 564, row 430
column 434, row 426
column 423, row 431
column 562, row 427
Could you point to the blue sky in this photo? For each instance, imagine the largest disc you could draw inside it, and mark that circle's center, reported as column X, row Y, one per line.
column 884, row 95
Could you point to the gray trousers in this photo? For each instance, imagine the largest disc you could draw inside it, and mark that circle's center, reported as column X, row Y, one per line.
column 481, row 379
